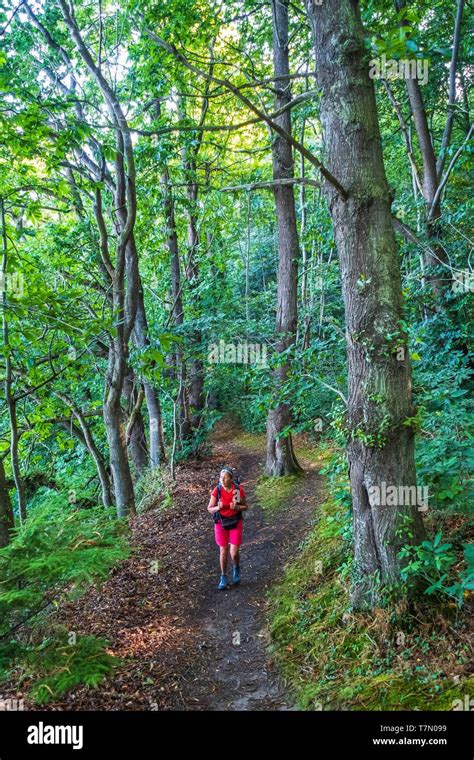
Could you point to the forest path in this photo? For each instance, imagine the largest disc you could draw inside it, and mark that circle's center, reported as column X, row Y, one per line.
column 161, row 610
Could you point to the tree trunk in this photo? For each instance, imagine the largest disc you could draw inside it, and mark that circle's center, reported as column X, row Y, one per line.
column 9, row 395
column 196, row 365
column 380, row 442
column 123, row 272
column 119, row 466
column 157, row 440
column 177, row 307
column 435, row 258
column 141, row 339
column 436, row 261
column 6, row 511
column 196, row 369
column 281, row 459
column 84, row 435
column 136, row 439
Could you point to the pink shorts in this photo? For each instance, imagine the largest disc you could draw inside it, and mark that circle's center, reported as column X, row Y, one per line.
column 233, row 536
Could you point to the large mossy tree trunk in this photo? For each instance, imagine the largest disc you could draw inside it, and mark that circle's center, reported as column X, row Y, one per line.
column 380, row 438
column 281, row 459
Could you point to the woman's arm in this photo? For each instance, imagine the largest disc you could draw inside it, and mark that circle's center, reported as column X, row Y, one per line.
column 213, row 506
column 242, row 504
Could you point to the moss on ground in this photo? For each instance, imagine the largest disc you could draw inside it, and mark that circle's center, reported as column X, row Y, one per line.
column 311, row 455
column 337, row 660
column 274, row 493
column 334, row 659
column 253, row 441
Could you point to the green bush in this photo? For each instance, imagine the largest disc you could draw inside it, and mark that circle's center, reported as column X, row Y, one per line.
column 432, row 562
column 54, row 557
column 69, row 665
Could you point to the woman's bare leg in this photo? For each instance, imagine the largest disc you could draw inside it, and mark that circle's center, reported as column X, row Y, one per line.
column 224, row 556
column 235, row 554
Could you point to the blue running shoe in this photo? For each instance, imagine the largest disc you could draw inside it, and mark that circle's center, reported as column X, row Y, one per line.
column 223, row 583
column 236, row 575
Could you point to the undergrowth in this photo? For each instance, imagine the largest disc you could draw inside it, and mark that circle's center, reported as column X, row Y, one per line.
column 396, row 658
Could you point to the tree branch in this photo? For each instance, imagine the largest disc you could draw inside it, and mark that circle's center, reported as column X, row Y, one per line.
column 452, row 90
column 170, row 48
column 270, row 184
column 447, row 173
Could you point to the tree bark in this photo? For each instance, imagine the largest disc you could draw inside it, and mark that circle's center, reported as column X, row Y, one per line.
column 141, row 338
column 177, row 315
column 436, row 262
column 84, row 435
column 380, row 438
column 123, row 485
column 6, row 511
column 136, row 438
column 281, row 459
column 9, row 395
column 196, row 369
column 123, row 273
column 196, row 365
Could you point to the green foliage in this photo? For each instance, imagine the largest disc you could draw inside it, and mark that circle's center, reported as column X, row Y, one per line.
column 442, row 385
column 154, row 489
column 432, row 562
column 273, row 493
column 60, row 326
column 334, row 659
column 59, row 552
column 335, row 470
column 65, row 666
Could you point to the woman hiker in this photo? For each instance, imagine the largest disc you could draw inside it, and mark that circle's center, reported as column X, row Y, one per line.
column 226, row 505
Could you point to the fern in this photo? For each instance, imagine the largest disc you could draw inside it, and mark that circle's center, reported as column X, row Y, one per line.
column 69, row 665
column 54, row 557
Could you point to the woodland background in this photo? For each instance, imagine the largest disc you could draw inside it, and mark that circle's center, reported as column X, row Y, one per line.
column 176, row 175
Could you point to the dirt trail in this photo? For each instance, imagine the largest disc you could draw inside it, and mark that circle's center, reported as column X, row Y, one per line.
column 240, row 674
column 161, row 611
